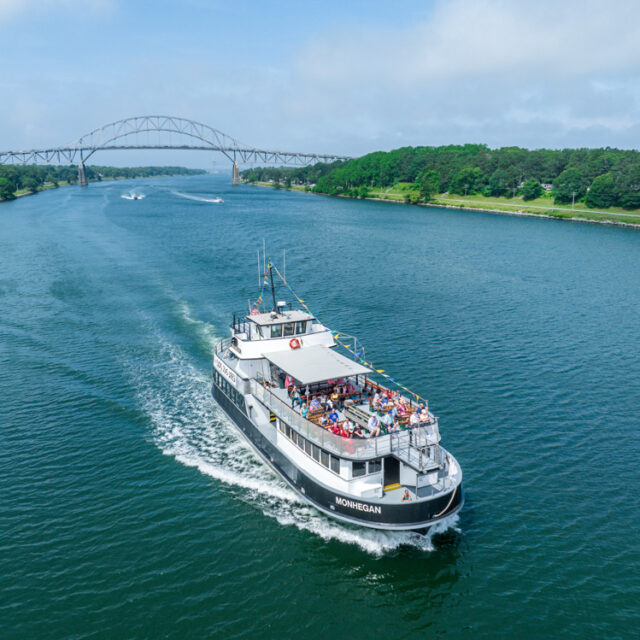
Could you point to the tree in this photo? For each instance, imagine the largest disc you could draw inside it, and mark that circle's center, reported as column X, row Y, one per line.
column 30, row 184
column 512, row 178
column 570, row 186
column 628, row 187
column 429, row 184
column 7, row 189
column 602, row 192
column 531, row 189
column 363, row 192
column 468, row 180
column 497, row 183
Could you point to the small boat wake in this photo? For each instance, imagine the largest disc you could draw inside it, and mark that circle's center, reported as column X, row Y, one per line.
column 190, row 427
column 132, row 195
column 180, row 194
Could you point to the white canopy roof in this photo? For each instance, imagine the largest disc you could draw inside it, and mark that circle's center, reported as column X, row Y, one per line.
column 315, row 364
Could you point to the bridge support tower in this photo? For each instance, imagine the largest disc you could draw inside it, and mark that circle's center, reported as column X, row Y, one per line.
column 236, row 175
column 82, row 176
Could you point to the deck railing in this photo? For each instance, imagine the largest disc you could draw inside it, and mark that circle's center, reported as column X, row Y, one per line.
column 404, row 444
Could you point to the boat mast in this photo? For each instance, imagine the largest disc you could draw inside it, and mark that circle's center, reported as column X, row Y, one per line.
column 273, row 289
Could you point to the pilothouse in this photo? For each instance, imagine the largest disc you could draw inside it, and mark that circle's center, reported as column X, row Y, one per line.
column 355, row 449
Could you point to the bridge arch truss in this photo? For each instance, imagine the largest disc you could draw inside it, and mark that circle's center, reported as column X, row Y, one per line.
column 137, row 133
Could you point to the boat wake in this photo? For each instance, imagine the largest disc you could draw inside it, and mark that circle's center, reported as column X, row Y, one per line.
column 190, row 427
column 180, row 194
column 133, row 196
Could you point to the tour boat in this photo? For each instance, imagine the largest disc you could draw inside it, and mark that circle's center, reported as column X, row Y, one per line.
column 396, row 477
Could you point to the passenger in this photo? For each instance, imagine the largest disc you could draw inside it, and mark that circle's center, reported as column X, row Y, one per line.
column 323, row 401
column 374, row 426
column 384, row 401
column 296, row 398
column 304, row 409
column 387, row 420
column 323, row 420
column 414, row 421
column 376, row 399
column 401, row 410
column 358, row 432
column 351, row 429
column 406, row 496
column 288, row 382
column 335, row 397
column 333, row 416
column 314, row 405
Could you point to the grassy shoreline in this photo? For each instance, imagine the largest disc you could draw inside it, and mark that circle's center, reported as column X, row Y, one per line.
column 539, row 208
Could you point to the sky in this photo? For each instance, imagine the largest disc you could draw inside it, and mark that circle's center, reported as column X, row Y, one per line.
column 343, row 77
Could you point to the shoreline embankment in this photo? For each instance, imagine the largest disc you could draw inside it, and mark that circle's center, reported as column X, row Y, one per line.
column 519, row 213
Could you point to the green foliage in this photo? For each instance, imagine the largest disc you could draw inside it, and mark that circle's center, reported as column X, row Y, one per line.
column 628, row 187
column 363, row 191
column 475, row 168
column 34, row 177
column 7, row 189
column 569, row 186
column 531, row 189
column 467, row 181
column 602, row 193
column 497, row 185
column 429, row 184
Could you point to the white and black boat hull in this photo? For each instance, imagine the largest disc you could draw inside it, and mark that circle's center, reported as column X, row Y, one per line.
column 405, row 516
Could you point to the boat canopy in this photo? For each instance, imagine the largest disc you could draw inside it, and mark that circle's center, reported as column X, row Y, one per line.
column 294, row 315
column 310, row 365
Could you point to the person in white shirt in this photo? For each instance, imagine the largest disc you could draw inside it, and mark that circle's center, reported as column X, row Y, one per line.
column 374, row 426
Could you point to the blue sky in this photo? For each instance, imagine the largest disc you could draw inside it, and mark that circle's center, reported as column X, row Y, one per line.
column 339, row 77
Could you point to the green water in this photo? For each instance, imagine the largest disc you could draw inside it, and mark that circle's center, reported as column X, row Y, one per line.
column 129, row 507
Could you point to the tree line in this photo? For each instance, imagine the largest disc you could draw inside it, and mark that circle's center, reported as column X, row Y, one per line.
column 598, row 177
column 32, row 178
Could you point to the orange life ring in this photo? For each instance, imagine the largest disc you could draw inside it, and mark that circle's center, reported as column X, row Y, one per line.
column 294, row 343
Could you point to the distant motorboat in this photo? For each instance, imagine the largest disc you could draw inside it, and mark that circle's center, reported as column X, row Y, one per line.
column 218, row 199
column 132, row 196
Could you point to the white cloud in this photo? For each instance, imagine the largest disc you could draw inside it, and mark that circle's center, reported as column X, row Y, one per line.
column 501, row 72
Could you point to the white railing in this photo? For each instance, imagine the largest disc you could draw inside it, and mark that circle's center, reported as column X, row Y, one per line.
column 403, row 443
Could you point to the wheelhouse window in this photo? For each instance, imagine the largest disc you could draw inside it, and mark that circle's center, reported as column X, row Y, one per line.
column 375, row 466
column 289, row 329
column 359, row 469
column 335, row 464
column 301, row 327
column 276, row 330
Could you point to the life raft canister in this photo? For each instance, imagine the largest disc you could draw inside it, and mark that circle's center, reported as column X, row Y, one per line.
column 294, row 343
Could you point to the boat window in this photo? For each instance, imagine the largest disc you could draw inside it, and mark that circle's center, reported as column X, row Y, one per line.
column 281, row 426
column 288, row 329
column 335, row 464
column 307, row 447
column 301, row 327
column 289, row 432
column 315, row 451
column 359, row 469
column 375, row 466
column 324, row 458
column 300, row 441
column 276, row 330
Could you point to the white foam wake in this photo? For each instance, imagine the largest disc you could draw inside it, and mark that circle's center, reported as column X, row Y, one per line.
column 189, row 196
column 188, row 425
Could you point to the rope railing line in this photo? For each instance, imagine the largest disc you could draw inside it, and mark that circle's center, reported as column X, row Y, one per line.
column 336, row 335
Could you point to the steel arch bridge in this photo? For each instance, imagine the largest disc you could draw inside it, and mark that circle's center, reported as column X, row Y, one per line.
column 157, row 132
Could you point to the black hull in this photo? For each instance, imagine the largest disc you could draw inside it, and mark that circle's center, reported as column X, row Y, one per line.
column 405, row 516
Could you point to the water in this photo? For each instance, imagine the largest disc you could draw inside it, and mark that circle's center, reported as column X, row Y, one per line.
column 129, row 507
